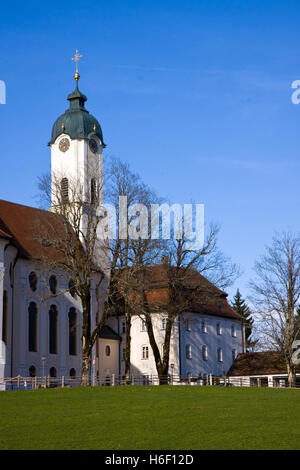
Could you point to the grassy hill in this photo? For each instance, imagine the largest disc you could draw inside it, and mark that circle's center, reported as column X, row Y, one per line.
column 149, row 418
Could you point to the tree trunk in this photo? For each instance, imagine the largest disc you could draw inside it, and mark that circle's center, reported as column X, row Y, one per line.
column 127, row 345
column 85, row 341
column 85, row 368
column 291, row 374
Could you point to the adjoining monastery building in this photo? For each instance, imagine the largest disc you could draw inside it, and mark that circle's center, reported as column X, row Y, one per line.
column 40, row 314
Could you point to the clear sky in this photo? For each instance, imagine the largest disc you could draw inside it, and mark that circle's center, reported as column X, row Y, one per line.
column 194, row 95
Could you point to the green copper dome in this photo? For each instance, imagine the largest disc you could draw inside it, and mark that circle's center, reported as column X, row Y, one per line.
column 77, row 122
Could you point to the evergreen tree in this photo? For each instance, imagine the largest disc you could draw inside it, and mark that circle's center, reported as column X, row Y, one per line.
column 240, row 306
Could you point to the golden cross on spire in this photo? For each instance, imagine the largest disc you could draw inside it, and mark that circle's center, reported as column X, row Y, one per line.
column 76, row 58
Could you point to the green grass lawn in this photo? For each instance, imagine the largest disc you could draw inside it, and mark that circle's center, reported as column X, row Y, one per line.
column 149, row 418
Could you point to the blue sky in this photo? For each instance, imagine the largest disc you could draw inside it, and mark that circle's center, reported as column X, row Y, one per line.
column 195, row 96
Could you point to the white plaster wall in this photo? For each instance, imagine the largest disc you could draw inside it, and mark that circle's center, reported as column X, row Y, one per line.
column 108, row 365
column 197, row 338
column 181, row 336
column 78, row 164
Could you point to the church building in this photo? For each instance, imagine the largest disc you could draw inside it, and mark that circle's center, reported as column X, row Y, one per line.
column 40, row 313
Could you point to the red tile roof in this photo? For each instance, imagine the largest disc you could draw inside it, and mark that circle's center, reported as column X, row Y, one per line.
column 258, row 363
column 208, row 299
column 24, row 225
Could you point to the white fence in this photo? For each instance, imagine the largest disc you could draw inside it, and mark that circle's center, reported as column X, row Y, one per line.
column 35, row 383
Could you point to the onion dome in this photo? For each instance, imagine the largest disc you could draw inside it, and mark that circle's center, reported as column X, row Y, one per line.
column 76, row 122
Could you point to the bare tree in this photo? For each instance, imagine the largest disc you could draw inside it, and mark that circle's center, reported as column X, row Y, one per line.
column 127, row 254
column 275, row 295
column 72, row 237
column 181, row 276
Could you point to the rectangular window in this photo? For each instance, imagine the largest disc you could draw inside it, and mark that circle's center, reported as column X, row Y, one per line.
column 188, row 351
column 143, row 325
column 233, row 331
column 145, row 352
column 220, row 355
column 233, row 355
column 219, row 329
column 204, row 353
column 203, row 326
column 163, row 323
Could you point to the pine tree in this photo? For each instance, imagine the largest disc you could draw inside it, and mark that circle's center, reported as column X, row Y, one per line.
column 240, row 306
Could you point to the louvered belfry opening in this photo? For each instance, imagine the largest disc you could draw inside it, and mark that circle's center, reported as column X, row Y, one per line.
column 64, row 186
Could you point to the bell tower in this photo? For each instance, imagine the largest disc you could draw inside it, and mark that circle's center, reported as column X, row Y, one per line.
column 77, row 152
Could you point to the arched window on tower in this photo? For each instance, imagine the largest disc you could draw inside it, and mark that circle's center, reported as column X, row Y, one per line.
column 32, row 327
column 64, row 187
column 93, row 191
column 53, row 314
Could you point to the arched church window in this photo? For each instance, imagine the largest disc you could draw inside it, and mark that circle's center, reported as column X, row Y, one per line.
column 5, row 313
column 32, row 327
column 72, row 373
column 64, row 187
column 32, row 371
column 107, row 350
column 53, row 314
column 53, row 284
column 72, row 331
column 32, row 278
column 11, row 274
column 93, row 191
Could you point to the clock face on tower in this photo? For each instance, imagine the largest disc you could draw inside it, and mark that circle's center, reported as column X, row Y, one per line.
column 64, row 144
column 93, row 145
